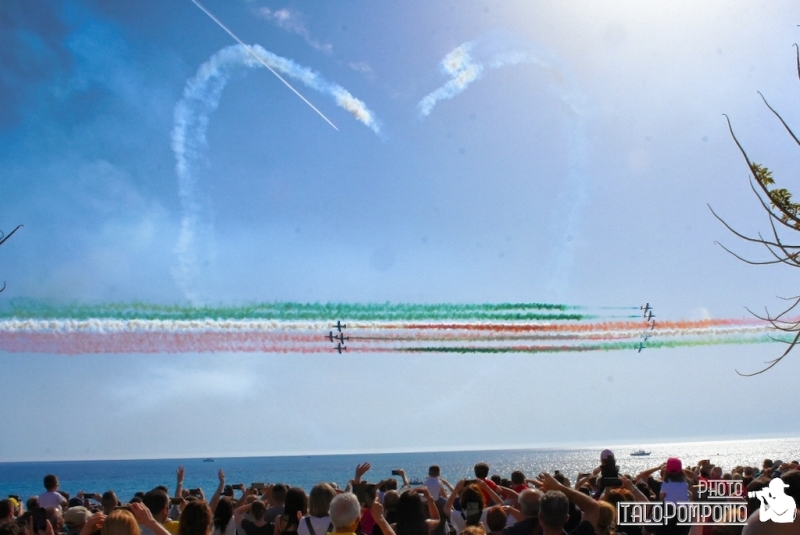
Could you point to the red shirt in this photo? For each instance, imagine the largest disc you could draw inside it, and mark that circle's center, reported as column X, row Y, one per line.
column 486, row 498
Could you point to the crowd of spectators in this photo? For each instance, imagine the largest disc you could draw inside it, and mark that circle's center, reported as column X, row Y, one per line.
column 545, row 504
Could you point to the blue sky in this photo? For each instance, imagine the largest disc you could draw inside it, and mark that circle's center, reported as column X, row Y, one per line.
column 574, row 168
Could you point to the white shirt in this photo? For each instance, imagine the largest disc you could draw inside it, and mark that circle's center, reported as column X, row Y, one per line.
column 51, row 499
column 434, row 486
column 320, row 525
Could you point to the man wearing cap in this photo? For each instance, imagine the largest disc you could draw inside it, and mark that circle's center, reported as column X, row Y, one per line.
column 75, row 518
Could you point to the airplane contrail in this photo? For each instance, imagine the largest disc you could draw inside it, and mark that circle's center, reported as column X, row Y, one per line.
column 261, row 60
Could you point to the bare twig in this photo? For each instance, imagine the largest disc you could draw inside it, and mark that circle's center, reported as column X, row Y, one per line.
column 779, row 208
column 3, row 238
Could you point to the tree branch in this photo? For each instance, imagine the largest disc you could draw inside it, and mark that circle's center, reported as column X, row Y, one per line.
column 3, row 239
column 778, row 115
column 771, row 363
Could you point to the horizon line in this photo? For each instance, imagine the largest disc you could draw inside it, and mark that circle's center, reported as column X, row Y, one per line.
column 564, row 446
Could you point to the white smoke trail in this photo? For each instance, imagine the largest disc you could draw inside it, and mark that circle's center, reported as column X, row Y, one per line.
column 466, row 63
column 201, row 97
column 111, row 326
column 463, row 70
column 267, row 65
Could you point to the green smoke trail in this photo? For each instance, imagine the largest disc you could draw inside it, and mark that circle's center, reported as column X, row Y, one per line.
column 289, row 311
column 719, row 340
column 606, row 346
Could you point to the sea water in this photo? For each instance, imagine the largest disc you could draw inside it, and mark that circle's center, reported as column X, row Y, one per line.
column 126, row 477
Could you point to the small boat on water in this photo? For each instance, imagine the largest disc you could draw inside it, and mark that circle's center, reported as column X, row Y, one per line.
column 640, row 453
column 416, row 481
column 209, row 460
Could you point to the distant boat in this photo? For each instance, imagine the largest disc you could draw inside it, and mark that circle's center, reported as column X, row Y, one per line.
column 416, row 481
column 640, row 453
column 209, row 460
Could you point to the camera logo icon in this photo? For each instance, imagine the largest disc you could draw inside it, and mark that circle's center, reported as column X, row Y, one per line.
column 775, row 504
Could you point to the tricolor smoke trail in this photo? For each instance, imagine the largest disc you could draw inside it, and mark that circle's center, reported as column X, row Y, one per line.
column 376, row 328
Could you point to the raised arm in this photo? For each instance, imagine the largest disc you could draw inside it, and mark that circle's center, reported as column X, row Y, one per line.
column 405, row 478
column 377, row 514
column 433, row 511
column 448, row 506
column 361, row 469
column 691, row 477
column 239, row 512
column 446, row 484
column 647, row 473
column 243, row 497
column 510, row 494
column 94, row 524
column 637, row 494
column 492, row 494
column 513, row 511
column 179, row 485
column 145, row 518
column 584, row 480
column 218, row 492
column 587, row 504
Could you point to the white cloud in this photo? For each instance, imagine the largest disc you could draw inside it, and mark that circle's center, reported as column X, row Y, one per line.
column 171, row 383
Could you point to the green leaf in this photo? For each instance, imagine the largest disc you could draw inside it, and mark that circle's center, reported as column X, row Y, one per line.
column 762, row 174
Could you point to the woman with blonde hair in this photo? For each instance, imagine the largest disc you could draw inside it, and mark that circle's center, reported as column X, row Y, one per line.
column 318, row 521
column 606, row 519
column 120, row 522
column 126, row 521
